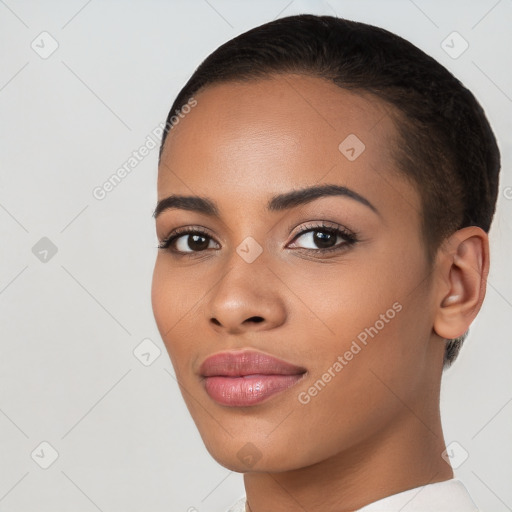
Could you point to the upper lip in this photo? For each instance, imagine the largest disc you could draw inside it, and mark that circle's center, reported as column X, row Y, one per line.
column 246, row 362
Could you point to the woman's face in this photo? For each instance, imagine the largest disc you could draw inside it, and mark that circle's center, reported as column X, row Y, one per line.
column 348, row 314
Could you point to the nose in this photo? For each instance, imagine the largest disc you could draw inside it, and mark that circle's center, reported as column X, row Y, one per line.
column 247, row 298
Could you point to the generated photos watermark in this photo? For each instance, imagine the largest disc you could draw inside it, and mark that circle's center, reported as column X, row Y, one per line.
column 356, row 346
column 151, row 142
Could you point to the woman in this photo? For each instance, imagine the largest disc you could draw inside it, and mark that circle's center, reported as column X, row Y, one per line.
column 325, row 192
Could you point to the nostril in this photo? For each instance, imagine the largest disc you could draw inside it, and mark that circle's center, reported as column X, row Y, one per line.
column 256, row 319
column 215, row 321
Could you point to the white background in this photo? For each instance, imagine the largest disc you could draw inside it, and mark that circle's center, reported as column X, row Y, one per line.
column 69, row 326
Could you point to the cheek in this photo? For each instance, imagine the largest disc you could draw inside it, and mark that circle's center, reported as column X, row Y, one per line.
column 362, row 321
column 174, row 293
column 171, row 308
column 355, row 381
column 339, row 303
column 161, row 299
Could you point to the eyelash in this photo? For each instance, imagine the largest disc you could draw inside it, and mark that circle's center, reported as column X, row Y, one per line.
column 349, row 237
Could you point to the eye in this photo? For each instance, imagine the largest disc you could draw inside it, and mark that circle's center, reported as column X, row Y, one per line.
column 316, row 238
column 187, row 241
column 324, row 238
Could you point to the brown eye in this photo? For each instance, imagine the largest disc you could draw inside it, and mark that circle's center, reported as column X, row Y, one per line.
column 187, row 241
column 192, row 242
column 324, row 238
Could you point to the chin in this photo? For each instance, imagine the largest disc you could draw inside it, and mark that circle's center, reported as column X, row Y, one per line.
column 245, row 454
column 249, row 462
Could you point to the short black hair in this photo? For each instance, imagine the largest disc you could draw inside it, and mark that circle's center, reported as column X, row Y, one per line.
column 446, row 146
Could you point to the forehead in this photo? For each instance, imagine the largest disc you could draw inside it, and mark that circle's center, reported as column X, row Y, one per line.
column 297, row 107
column 283, row 132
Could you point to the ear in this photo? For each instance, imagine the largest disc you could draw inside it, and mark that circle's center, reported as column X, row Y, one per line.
column 463, row 264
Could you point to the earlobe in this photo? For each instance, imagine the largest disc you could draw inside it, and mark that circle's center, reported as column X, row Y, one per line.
column 464, row 266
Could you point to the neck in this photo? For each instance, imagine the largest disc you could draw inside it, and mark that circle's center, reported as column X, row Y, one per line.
column 407, row 454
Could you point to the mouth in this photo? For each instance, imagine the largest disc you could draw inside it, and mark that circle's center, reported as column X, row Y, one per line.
column 244, row 378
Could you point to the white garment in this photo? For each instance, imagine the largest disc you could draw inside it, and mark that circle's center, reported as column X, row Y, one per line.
column 448, row 496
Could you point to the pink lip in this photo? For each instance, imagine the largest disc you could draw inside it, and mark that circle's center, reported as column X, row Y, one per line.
column 242, row 378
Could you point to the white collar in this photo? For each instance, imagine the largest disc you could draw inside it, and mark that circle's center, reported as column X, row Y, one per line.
column 448, row 496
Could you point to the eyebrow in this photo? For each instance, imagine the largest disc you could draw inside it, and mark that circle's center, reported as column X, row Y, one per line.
column 277, row 203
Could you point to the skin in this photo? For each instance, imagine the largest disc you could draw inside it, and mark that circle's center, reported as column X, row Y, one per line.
column 374, row 429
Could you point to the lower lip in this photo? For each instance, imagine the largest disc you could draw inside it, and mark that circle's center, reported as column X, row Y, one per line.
column 247, row 390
